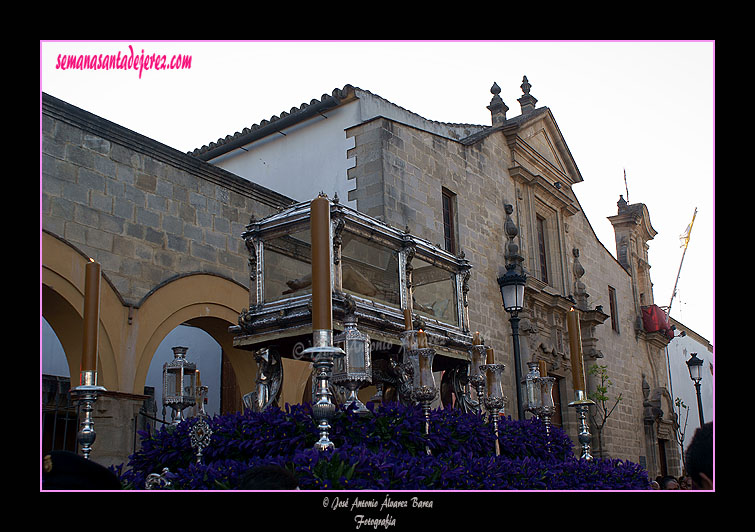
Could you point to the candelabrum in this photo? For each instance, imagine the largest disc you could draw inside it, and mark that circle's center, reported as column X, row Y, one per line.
column 86, row 395
column 494, row 396
column 425, row 390
column 323, row 407
column 476, row 375
column 581, row 405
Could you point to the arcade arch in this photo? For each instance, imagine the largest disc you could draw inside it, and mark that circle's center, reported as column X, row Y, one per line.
column 130, row 335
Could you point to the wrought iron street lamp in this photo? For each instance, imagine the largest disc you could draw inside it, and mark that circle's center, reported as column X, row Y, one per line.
column 512, row 293
column 695, row 366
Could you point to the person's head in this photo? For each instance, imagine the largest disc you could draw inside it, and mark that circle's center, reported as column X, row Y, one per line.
column 699, row 457
column 65, row 470
column 668, row 483
column 268, row 477
column 685, row 483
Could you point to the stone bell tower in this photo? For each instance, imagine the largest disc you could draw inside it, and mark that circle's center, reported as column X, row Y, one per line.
column 633, row 231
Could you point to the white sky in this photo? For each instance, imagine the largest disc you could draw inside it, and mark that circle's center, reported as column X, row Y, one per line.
column 643, row 107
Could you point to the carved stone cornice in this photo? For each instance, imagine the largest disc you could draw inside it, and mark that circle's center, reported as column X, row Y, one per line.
column 545, row 189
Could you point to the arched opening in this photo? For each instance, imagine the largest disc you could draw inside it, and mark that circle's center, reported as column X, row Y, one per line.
column 203, row 351
column 195, row 311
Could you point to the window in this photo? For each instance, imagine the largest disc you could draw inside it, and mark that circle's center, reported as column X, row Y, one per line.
column 614, row 308
column 449, row 218
column 542, row 249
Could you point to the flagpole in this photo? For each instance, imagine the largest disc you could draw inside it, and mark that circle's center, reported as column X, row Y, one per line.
column 686, row 243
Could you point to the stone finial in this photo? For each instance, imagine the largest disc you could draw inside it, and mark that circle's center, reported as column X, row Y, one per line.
column 580, row 293
column 497, row 108
column 527, row 101
column 511, row 253
column 622, row 203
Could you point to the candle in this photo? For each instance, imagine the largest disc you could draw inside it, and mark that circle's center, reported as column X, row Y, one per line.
column 542, row 366
column 322, row 304
column 423, row 371
column 575, row 346
column 476, row 339
column 421, row 339
column 91, row 316
column 408, row 319
column 490, row 358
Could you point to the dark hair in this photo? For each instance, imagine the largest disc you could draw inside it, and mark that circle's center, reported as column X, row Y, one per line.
column 699, row 456
column 66, row 470
column 268, row 477
column 665, row 480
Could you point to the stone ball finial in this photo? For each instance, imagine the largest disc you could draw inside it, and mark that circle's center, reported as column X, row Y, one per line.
column 525, row 85
column 497, row 108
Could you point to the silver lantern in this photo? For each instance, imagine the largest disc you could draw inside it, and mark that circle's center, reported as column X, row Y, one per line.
column 179, row 384
column 354, row 368
column 533, row 389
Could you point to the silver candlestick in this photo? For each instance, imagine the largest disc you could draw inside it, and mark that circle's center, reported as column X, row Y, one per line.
column 476, row 375
column 581, row 405
column 494, row 400
column 548, row 408
column 323, row 408
column 425, row 390
column 86, row 394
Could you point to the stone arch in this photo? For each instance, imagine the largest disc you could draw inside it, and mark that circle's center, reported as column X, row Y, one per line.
column 63, row 267
column 204, row 300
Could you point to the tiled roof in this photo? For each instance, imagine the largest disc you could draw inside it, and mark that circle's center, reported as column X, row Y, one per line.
column 326, row 101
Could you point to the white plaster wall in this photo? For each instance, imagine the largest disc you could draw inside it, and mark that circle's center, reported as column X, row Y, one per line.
column 680, row 350
column 308, row 159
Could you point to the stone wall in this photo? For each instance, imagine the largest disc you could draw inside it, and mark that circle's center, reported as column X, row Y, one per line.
column 145, row 211
column 400, row 174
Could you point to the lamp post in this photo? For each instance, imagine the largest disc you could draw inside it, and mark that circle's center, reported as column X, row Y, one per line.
column 512, row 293
column 695, row 366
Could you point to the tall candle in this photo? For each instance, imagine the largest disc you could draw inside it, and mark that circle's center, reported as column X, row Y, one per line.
column 575, row 347
column 476, row 339
column 91, row 316
column 543, row 367
column 423, row 371
column 421, row 339
column 408, row 319
column 490, row 356
column 322, row 304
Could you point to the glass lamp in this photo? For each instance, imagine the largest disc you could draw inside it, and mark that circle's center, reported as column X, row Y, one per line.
column 695, row 365
column 354, row 368
column 179, row 384
column 533, row 386
column 512, row 289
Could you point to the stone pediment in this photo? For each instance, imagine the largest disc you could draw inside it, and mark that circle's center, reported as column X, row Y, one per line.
column 538, row 146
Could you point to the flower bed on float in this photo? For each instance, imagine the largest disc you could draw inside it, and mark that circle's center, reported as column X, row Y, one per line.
column 384, row 451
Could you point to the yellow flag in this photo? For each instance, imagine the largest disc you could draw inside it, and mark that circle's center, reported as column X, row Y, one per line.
column 684, row 238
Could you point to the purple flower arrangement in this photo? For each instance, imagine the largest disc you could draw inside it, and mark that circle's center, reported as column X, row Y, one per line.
column 384, row 451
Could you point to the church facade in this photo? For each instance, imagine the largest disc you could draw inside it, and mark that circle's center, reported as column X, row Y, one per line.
column 167, row 228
